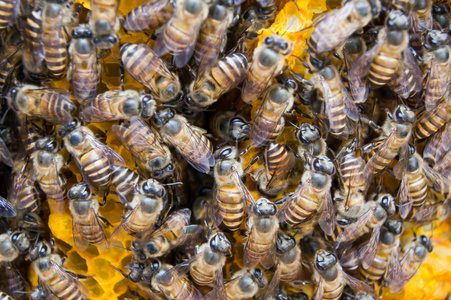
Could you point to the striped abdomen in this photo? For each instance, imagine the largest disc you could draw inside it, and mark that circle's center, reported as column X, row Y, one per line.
column 12, row 280
column 256, row 81
column 55, row 106
column 433, row 120
column 150, row 15
column 384, row 67
column 302, row 207
column 418, row 187
column 173, row 225
column 28, row 197
column 54, row 39
column 85, row 76
column 124, row 180
column 212, row 35
column 265, row 129
column 437, row 84
column 64, row 287
column 96, row 166
column 55, row 191
column 143, row 64
column 93, row 235
column 33, row 53
column 290, row 264
column 333, row 289
column 277, row 159
column 260, row 241
column 181, row 288
column 8, row 14
column 404, row 84
column 351, row 169
column 386, row 153
column 336, row 108
column 201, row 275
column 231, row 206
column 377, row 269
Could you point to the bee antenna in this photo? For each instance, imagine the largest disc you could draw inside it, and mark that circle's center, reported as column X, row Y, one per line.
column 349, row 295
column 122, row 248
column 297, row 127
column 167, row 105
column 172, row 183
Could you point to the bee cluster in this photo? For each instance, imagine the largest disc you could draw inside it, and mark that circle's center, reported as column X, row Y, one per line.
column 214, row 168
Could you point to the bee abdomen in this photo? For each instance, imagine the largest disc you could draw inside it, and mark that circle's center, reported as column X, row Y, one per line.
column 65, row 288
column 352, row 167
column 55, row 55
column 333, row 292
column 382, row 69
column 201, row 276
column 277, row 157
column 260, row 135
column 147, row 16
column 432, row 121
column 230, row 70
column 418, row 189
column 57, row 106
column 376, row 270
column 53, row 190
column 7, row 13
column 405, row 86
column 231, row 206
column 301, row 209
column 85, row 84
column 28, row 197
column 96, row 167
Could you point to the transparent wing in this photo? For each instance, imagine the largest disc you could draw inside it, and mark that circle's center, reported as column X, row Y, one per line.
column 5, row 155
column 269, row 258
column 369, row 250
column 209, row 59
column 58, row 199
column 319, row 289
column 327, row 219
column 242, row 187
column 215, row 215
column 413, row 73
column 281, row 214
column 273, row 285
column 196, row 150
column 357, row 285
column 7, row 210
column 219, row 291
column 359, row 71
column 69, row 278
column 405, row 199
column 354, row 229
column 439, row 183
column 79, row 236
column 110, row 154
column 188, row 232
column 251, row 262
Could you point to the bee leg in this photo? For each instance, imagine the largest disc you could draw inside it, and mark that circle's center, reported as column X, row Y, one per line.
column 280, row 201
column 254, row 160
column 381, row 290
column 290, row 149
column 107, row 192
column 104, row 221
column 300, row 112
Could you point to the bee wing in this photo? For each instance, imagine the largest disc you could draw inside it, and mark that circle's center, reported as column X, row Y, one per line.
column 319, row 289
column 7, row 210
column 93, row 114
column 5, row 155
column 80, row 241
column 271, row 291
column 243, row 189
column 263, row 122
column 34, row 50
column 431, row 149
column 53, row 174
column 339, row 16
column 351, row 109
column 118, row 232
column 196, row 151
column 189, row 232
column 46, row 290
column 149, row 140
column 359, row 71
column 183, row 55
column 215, row 215
column 24, row 180
column 327, row 219
column 410, row 68
column 439, row 183
column 248, row 261
column 60, row 97
column 357, row 285
column 281, row 214
column 368, row 251
column 73, row 281
column 207, row 61
column 425, row 212
column 219, row 291
column 405, row 200
column 110, row 154
column 85, row 178
column 282, row 169
column 327, row 96
column 349, row 230
column 394, row 277
column 443, row 150
column 269, row 258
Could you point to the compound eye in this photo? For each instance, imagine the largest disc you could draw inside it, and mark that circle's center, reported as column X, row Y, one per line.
column 146, row 187
column 284, row 46
column 269, row 41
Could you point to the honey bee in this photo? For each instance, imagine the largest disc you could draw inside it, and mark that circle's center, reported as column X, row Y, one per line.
column 206, row 270
column 104, row 23
column 437, row 150
column 151, row 71
column 385, row 251
column 54, row 36
column 47, row 164
column 340, row 108
column 441, row 16
column 9, row 11
column 311, row 140
column 119, row 105
column 269, row 121
column 397, row 128
column 85, row 218
column 144, row 210
column 415, row 255
column 144, row 144
column 338, row 25
column 421, row 16
column 12, row 244
column 289, row 266
column 382, row 62
column 150, row 15
column 84, row 69
column 33, row 47
column 181, row 31
column 312, row 197
column 438, row 62
column 10, row 57
column 174, row 232
column 352, row 179
column 188, row 140
column 331, row 279
column 170, row 281
column 55, row 280
column 431, row 121
column 93, row 158
column 213, row 35
column 261, row 244
column 222, row 77
column 372, row 216
column 229, row 126
column 53, row 105
column 246, row 283
column 230, row 201
column 272, row 177
column 12, row 280
column 267, row 61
